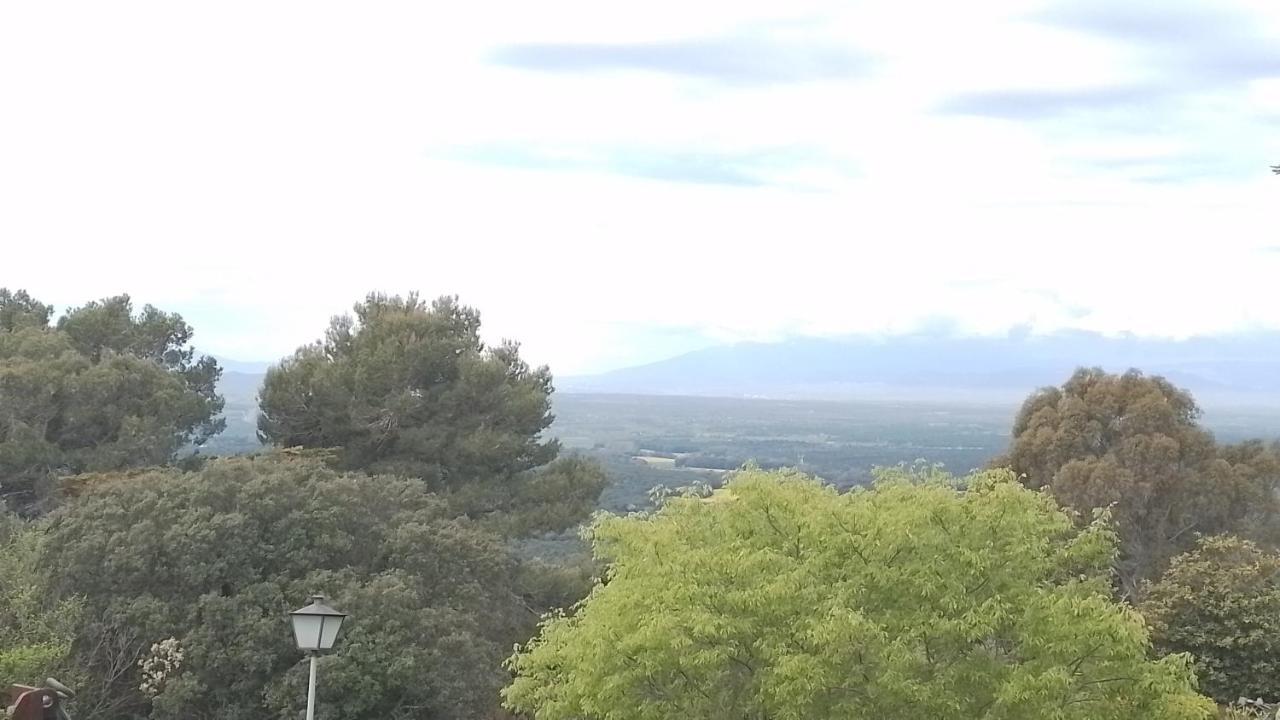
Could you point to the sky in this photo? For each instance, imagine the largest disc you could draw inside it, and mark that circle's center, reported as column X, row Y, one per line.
column 615, row 183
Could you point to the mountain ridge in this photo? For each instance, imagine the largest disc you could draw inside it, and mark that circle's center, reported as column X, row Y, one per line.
column 1242, row 368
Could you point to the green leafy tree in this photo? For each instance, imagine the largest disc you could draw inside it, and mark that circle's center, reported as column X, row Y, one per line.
column 1221, row 604
column 408, row 388
column 35, row 633
column 103, row 390
column 187, row 580
column 1133, row 443
column 778, row 597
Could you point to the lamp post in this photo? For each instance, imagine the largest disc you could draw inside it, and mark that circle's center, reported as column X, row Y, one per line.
column 315, row 628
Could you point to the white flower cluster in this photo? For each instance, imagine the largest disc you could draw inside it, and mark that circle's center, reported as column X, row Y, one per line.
column 164, row 661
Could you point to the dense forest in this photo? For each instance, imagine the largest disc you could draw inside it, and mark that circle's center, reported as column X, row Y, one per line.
column 1104, row 556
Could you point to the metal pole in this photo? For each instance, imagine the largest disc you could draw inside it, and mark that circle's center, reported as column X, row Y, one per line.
column 311, row 690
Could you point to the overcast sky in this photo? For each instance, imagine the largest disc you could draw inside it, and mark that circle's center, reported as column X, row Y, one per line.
column 612, row 183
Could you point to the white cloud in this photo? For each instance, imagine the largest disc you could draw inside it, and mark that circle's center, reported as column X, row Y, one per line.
column 260, row 166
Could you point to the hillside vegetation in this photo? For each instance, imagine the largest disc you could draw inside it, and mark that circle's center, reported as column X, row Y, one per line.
column 1096, row 554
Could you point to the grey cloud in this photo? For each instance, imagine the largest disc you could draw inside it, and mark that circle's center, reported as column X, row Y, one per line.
column 1167, row 21
column 1185, row 50
column 1191, row 62
column 703, row 168
column 1177, row 168
column 1188, row 41
column 1045, row 104
column 736, row 61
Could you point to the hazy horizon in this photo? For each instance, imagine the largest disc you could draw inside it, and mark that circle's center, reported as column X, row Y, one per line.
column 1014, row 334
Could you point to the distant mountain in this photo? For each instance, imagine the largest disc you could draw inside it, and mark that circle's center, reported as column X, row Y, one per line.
column 255, row 367
column 1239, row 369
column 241, row 387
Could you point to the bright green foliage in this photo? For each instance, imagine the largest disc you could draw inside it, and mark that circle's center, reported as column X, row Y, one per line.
column 35, row 633
column 780, row 598
column 105, row 390
column 1133, row 443
column 408, row 388
column 1221, row 603
column 217, row 558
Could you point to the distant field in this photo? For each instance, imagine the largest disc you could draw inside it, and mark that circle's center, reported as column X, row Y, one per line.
column 840, row 441
column 646, row 441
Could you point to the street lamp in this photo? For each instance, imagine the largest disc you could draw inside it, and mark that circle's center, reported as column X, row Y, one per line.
column 315, row 628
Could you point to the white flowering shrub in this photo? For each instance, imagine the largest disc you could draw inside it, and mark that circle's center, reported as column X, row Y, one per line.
column 164, row 661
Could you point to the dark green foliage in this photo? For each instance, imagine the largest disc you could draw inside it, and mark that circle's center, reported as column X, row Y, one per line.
column 216, row 560
column 105, row 390
column 19, row 310
column 552, row 498
column 408, row 388
column 1221, row 603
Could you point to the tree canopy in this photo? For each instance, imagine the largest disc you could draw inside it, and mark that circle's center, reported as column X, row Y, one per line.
column 192, row 575
column 19, row 310
column 779, row 597
column 1221, row 603
column 408, row 388
column 1133, row 442
column 105, row 389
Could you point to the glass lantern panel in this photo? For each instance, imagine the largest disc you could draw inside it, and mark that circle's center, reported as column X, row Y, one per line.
column 307, row 631
column 329, row 631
